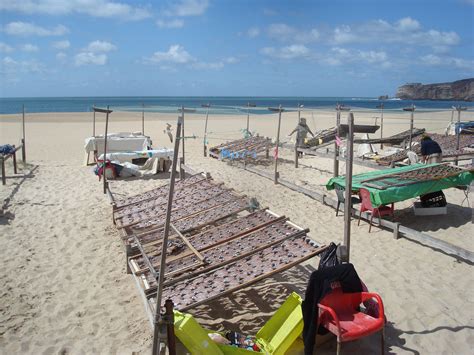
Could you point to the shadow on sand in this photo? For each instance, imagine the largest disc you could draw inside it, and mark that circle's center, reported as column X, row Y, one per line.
column 6, row 216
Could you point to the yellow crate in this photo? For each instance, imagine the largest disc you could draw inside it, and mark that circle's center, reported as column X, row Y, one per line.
column 275, row 337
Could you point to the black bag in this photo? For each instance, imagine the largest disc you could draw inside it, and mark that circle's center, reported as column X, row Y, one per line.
column 329, row 257
column 433, row 199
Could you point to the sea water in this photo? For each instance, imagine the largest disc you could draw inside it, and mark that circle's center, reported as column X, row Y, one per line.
column 219, row 105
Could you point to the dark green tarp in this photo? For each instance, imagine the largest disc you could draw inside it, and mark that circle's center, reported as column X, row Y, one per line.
column 401, row 193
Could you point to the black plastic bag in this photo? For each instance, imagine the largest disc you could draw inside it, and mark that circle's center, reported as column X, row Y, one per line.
column 329, row 257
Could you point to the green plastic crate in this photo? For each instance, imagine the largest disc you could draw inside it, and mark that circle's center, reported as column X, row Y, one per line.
column 275, row 337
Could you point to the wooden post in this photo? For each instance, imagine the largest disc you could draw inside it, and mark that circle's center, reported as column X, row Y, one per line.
column 348, row 191
column 14, row 160
column 279, row 110
column 458, row 132
column 296, row 156
column 396, row 227
column 299, row 113
column 4, row 177
column 381, row 106
column 104, row 175
column 93, row 121
column 248, row 116
column 161, row 276
column 412, row 114
column 143, row 118
column 182, row 133
column 182, row 172
column 336, row 147
column 412, row 118
column 23, row 140
column 170, row 327
column 205, row 128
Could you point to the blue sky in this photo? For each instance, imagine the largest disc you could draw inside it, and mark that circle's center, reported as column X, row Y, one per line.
column 231, row 47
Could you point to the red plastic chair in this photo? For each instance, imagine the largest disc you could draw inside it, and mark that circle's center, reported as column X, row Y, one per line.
column 366, row 205
column 339, row 313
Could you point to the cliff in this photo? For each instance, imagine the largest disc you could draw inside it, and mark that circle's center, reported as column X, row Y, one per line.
column 462, row 90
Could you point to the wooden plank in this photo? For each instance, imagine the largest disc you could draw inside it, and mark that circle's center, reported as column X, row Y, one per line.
column 233, row 260
column 436, row 243
column 185, row 240
column 192, row 209
column 257, row 279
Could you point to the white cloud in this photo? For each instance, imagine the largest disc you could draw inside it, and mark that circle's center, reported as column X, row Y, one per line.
column 175, row 54
column 253, row 32
column 408, row 24
column 176, row 23
column 61, row 56
column 434, row 60
column 100, row 46
column 208, row 65
column 86, row 58
column 340, row 56
column 29, row 48
column 288, row 52
column 96, row 8
column 405, row 31
column 5, row 48
column 62, row 44
column 11, row 66
column 373, row 56
column 30, row 29
column 188, row 8
column 285, row 33
column 231, row 60
column 343, row 34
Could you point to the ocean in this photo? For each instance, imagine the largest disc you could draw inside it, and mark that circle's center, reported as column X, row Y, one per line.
column 219, row 105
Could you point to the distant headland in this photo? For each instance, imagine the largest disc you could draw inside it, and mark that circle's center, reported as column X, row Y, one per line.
column 461, row 90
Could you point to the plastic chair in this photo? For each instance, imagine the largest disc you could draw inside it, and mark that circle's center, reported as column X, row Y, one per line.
column 366, row 205
column 341, row 198
column 339, row 313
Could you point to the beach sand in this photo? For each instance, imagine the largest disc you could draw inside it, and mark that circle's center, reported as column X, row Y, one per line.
column 64, row 284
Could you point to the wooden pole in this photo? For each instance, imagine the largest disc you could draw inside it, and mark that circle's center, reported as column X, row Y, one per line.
column 348, row 191
column 412, row 118
column 205, row 130
column 104, row 164
column 182, row 125
column 381, row 124
column 458, row 132
column 143, row 118
column 296, row 156
column 170, row 327
column 248, row 116
column 336, row 147
column 275, row 180
column 14, row 160
column 93, row 121
column 162, row 270
column 23, row 141
column 249, row 104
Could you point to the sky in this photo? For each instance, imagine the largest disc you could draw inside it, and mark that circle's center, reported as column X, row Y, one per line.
column 231, row 47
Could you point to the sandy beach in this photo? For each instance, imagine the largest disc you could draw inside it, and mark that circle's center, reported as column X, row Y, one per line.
column 65, row 289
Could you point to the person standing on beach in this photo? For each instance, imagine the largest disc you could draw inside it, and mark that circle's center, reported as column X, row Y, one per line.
column 302, row 131
column 168, row 131
column 430, row 151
